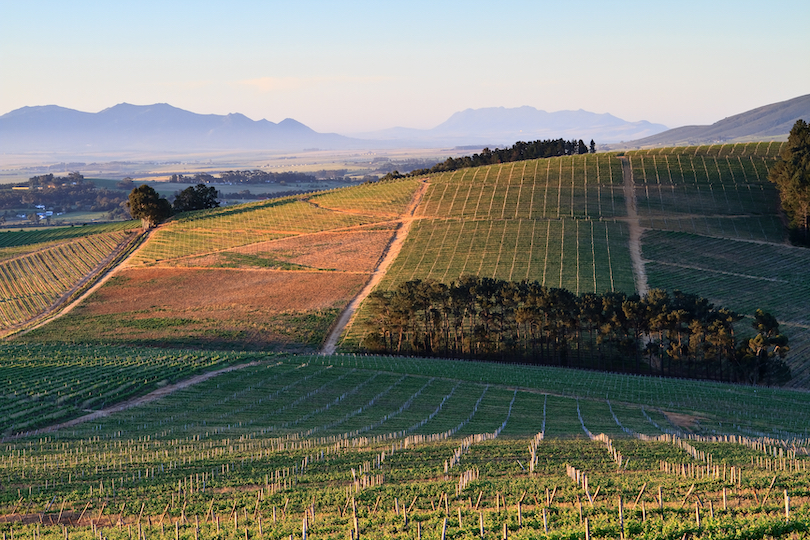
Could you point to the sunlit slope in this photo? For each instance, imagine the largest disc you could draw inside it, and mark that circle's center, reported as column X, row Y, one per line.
column 231, row 227
column 710, row 220
column 557, row 221
column 269, row 275
column 38, row 267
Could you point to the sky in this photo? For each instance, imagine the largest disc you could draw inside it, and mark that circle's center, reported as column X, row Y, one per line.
column 354, row 66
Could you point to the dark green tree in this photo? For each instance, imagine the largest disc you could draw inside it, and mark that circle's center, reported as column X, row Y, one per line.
column 197, row 197
column 145, row 204
column 761, row 359
column 791, row 174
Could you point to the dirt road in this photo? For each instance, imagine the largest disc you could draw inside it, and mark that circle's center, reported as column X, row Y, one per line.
column 391, row 252
column 639, row 272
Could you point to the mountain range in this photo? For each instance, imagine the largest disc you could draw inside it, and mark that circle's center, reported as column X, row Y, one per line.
column 500, row 126
column 164, row 129
column 151, row 128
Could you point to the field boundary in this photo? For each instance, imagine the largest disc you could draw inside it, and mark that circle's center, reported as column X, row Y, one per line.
column 346, row 317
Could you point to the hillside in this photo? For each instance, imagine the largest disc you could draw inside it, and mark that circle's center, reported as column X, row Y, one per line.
column 269, row 275
column 565, row 223
column 278, row 273
column 272, row 444
column 502, row 126
column 770, row 122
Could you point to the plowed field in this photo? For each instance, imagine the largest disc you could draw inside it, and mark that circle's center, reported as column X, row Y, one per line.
column 255, row 309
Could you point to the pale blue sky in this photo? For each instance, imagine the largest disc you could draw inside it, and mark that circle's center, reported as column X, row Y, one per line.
column 353, row 65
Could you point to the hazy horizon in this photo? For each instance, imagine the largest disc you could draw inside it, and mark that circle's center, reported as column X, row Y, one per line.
column 360, row 66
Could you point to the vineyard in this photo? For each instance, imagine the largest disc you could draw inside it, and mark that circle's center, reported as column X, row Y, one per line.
column 713, row 229
column 380, row 447
column 271, row 275
column 234, row 227
column 39, row 267
column 559, row 221
column 42, row 385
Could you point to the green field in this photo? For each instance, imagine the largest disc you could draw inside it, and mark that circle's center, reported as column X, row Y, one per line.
column 412, row 448
column 290, row 439
column 713, row 229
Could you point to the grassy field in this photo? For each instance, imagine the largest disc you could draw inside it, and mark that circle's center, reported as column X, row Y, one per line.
column 405, row 447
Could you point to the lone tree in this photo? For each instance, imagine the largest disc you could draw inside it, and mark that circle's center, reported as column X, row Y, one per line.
column 198, row 197
column 145, row 204
column 791, row 174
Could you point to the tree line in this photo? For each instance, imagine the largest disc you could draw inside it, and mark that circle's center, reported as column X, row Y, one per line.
column 791, row 174
column 672, row 335
column 520, row 151
column 62, row 194
column 244, row 177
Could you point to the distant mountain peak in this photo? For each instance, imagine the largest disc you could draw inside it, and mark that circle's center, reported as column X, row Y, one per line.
column 158, row 127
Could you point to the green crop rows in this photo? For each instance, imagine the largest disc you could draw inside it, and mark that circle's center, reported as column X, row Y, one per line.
column 579, row 255
column 45, row 384
column 30, row 283
column 295, row 444
column 557, row 221
column 715, row 230
column 56, row 234
column 727, row 196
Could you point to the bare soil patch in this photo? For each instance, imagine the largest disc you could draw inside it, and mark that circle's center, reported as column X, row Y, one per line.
column 185, row 290
column 344, row 251
column 245, row 309
column 686, row 422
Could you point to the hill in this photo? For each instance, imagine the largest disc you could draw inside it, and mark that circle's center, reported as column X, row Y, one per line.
column 770, row 122
column 279, row 272
column 273, row 444
column 269, row 275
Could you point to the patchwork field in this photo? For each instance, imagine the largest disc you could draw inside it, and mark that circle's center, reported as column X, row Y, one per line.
column 383, row 447
column 261, row 276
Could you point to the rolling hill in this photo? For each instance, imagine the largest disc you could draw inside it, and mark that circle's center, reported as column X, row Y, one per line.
column 502, row 126
column 277, row 441
column 278, row 273
column 160, row 129
column 770, row 122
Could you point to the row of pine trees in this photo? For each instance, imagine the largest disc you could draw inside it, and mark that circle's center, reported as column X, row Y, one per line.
column 677, row 335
